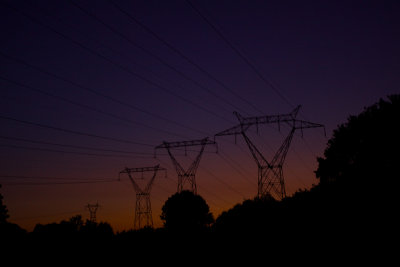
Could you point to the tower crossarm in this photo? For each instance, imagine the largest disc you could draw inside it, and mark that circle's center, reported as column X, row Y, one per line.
column 129, row 171
column 235, row 130
column 246, row 122
column 270, row 173
column 142, row 169
column 200, row 142
column 187, row 175
column 300, row 125
column 185, row 144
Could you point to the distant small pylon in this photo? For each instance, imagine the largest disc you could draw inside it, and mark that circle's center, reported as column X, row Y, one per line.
column 93, row 210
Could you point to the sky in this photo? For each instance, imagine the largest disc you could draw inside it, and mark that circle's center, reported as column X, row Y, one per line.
column 89, row 88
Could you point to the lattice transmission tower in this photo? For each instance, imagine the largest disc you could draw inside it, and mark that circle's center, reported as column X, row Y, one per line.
column 186, row 177
column 143, row 213
column 270, row 173
column 93, row 210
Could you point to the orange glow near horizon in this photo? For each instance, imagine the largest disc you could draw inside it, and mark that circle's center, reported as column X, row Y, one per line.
column 87, row 90
column 218, row 183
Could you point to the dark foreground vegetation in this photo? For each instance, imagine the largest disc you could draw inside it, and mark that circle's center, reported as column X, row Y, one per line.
column 352, row 205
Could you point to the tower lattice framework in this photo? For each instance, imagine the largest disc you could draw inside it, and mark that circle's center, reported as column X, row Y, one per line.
column 270, row 180
column 143, row 212
column 93, row 211
column 186, row 177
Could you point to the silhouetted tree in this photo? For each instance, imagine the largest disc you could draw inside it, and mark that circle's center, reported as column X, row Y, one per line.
column 249, row 218
column 363, row 154
column 97, row 231
column 74, row 232
column 359, row 171
column 9, row 232
column 76, row 222
column 356, row 195
column 186, row 211
column 65, row 230
column 3, row 210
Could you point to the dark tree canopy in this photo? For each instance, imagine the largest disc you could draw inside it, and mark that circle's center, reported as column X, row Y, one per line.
column 74, row 229
column 3, row 210
column 250, row 216
column 363, row 154
column 186, row 211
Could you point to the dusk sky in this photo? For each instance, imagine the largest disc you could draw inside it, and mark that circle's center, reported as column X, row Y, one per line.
column 91, row 87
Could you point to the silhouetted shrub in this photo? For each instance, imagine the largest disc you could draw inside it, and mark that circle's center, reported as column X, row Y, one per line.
column 186, row 211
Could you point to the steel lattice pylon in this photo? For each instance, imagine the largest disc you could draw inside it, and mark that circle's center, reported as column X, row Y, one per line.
column 92, row 210
column 143, row 213
column 187, row 176
column 270, row 173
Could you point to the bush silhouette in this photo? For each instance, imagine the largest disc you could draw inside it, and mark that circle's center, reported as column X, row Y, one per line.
column 359, row 171
column 362, row 158
column 186, row 211
column 356, row 193
column 248, row 218
column 355, row 198
column 3, row 210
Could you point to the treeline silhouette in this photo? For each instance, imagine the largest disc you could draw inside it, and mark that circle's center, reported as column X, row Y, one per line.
column 354, row 200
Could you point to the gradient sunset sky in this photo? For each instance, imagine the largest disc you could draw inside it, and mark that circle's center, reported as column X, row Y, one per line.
column 91, row 87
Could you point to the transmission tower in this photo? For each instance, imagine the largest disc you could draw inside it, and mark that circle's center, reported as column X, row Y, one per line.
column 187, row 176
column 270, row 173
column 92, row 210
column 143, row 214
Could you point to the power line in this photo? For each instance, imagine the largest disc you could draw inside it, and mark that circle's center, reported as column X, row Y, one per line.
column 53, row 178
column 86, row 106
column 222, row 182
column 87, row 88
column 202, row 189
column 74, row 146
column 80, row 147
column 57, row 183
column 70, row 152
column 234, row 165
column 110, row 98
column 127, row 69
column 168, row 44
column 295, row 153
column 73, row 131
column 84, row 87
column 276, row 88
column 293, row 149
column 269, row 147
column 44, row 216
column 59, row 180
column 77, row 29
column 219, row 180
column 240, row 54
column 178, row 52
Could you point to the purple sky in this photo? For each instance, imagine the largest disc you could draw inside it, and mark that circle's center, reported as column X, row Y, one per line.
column 89, row 67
